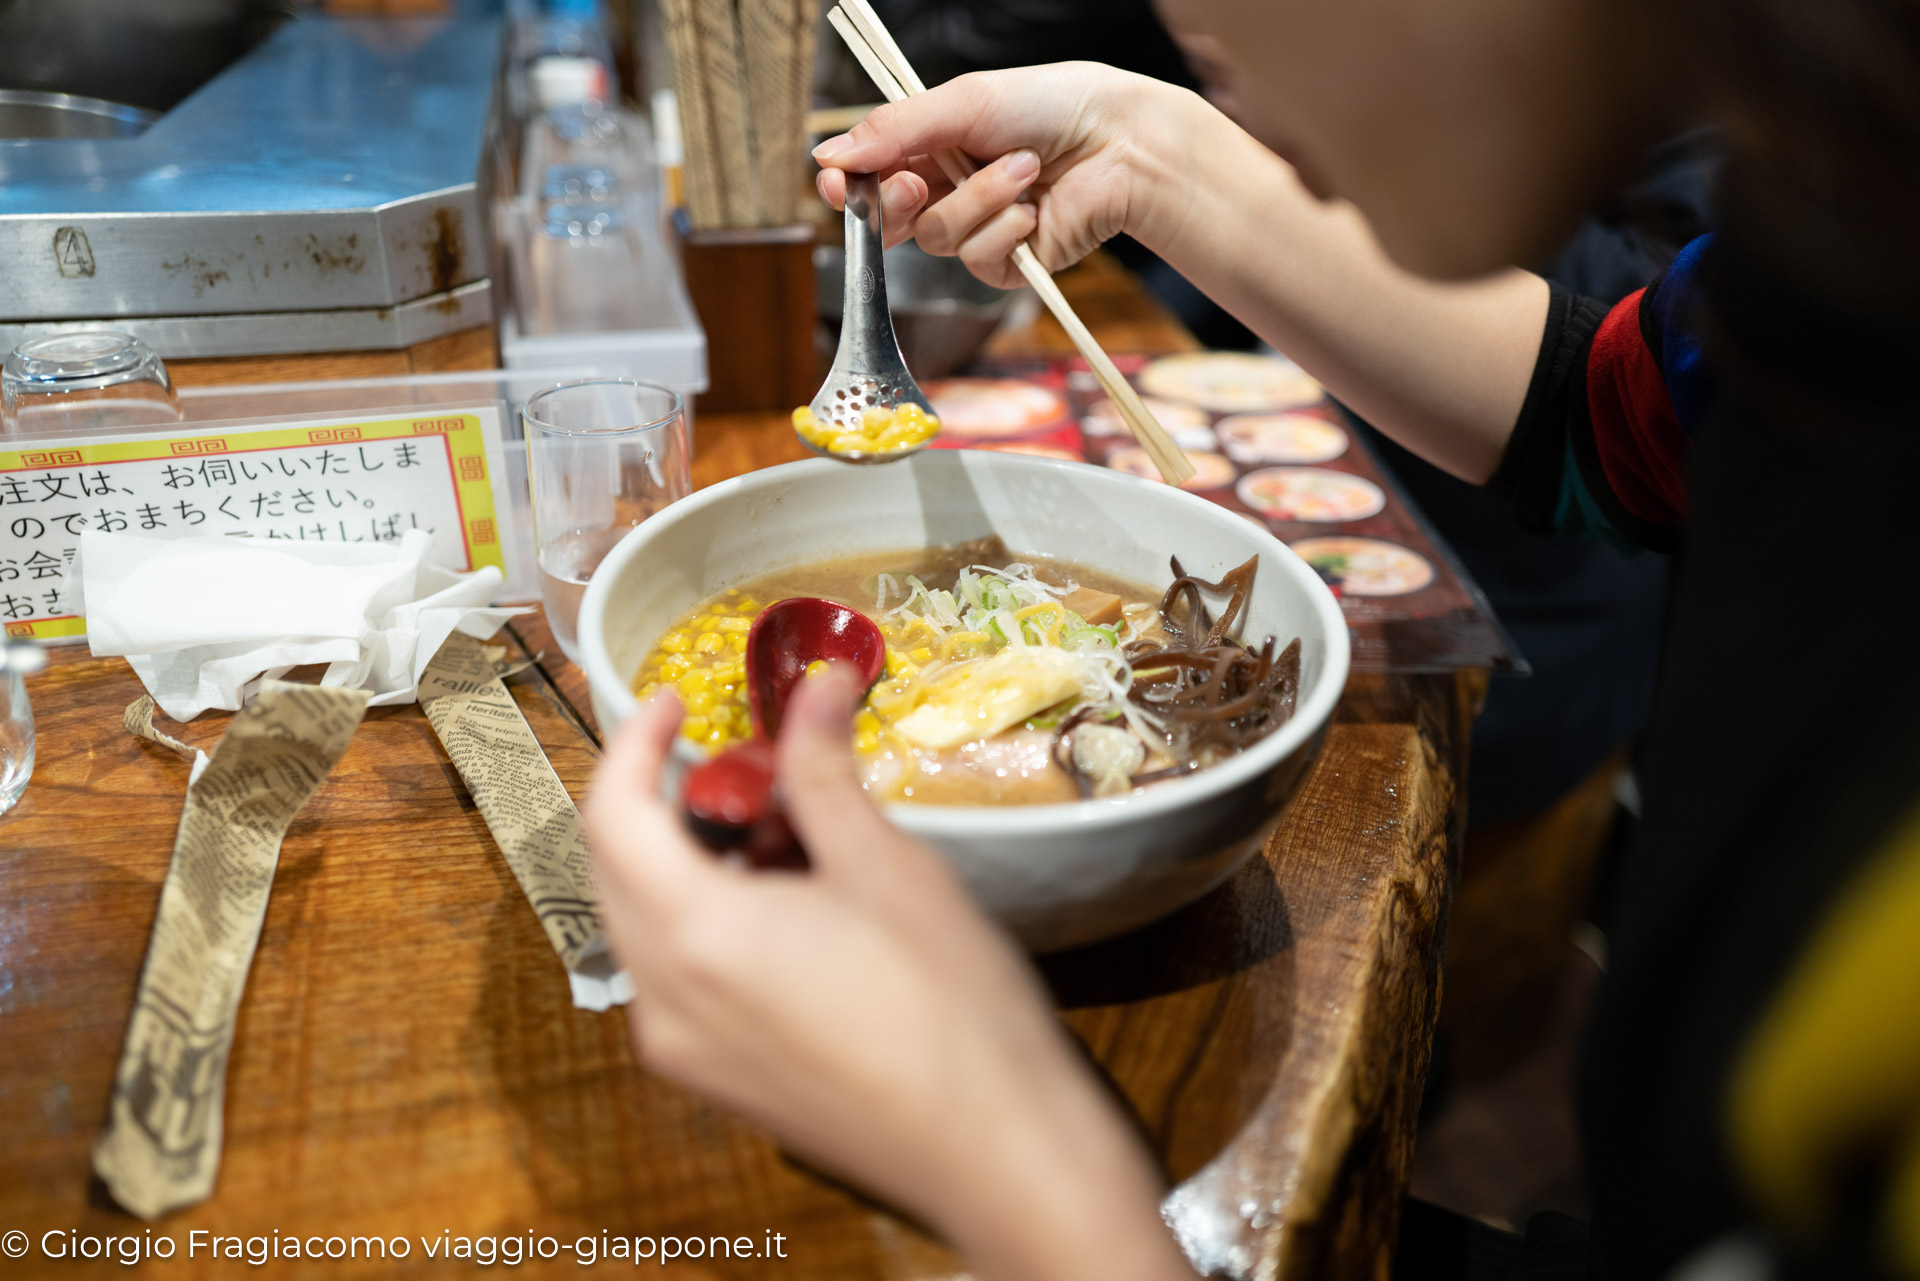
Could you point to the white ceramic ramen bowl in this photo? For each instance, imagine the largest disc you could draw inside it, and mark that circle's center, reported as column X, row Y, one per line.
column 1058, row 875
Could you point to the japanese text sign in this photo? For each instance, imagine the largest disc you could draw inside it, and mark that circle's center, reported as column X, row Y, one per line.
column 354, row 481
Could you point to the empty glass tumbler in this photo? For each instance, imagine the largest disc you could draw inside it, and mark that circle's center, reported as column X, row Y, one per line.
column 84, row 381
column 602, row 456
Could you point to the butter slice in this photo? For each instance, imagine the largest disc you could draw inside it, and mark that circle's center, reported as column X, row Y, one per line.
column 996, row 693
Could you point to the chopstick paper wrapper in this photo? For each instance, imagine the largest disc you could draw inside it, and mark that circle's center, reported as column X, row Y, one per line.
column 161, row 1147
column 527, row 809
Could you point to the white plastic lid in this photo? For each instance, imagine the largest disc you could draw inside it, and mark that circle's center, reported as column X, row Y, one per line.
column 560, row 80
column 667, row 141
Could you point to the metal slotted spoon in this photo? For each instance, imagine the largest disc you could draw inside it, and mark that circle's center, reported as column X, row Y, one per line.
column 868, row 369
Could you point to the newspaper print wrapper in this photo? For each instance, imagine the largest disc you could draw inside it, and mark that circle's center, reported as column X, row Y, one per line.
column 527, row 809
column 161, row 1147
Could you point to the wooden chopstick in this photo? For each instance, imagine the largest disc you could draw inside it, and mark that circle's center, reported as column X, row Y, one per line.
column 826, row 120
column 873, row 46
column 718, row 25
column 705, row 202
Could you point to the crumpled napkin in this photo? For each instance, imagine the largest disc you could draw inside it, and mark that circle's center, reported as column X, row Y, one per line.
column 204, row 620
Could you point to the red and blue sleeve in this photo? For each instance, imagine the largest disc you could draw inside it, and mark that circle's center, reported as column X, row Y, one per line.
column 1603, row 440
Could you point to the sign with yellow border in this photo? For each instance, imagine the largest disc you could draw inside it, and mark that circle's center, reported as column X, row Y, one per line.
column 341, row 480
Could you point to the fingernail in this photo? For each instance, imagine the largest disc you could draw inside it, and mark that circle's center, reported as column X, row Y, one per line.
column 820, row 668
column 833, row 146
column 1023, row 165
column 896, row 195
column 824, row 675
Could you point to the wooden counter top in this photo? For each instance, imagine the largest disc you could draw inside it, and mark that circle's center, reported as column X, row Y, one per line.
column 408, row 1063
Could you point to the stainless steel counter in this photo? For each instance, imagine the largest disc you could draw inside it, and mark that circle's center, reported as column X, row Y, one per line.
column 326, row 191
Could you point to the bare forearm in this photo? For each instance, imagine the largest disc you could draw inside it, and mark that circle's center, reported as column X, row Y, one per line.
column 1052, row 1186
column 1441, row 367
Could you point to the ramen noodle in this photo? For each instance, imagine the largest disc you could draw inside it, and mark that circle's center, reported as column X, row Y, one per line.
column 1008, row 680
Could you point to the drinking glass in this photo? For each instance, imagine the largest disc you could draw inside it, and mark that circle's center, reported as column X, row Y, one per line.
column 17, row 658
column 602, row 456
column 84, row 381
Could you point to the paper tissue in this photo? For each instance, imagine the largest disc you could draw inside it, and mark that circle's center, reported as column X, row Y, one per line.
column 203, row 620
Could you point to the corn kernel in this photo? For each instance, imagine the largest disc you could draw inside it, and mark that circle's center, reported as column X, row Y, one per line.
column 874, row 419
column 849, row 443
column 897, row 436
column 702, row 657
column 817, row 666
column 908, row 412
column 803, row 416
column 923, row 655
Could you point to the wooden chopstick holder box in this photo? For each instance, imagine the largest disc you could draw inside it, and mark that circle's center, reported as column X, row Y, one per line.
column 754, row 291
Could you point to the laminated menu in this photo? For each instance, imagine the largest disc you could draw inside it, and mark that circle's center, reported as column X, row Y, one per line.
column 161, row 1147
column 526, row 808
column 1265, row 441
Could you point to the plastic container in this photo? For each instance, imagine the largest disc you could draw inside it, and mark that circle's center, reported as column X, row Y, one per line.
column 593, row 280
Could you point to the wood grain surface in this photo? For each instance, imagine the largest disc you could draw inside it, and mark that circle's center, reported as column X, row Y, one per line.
column 464, row 349
column 408, row 1063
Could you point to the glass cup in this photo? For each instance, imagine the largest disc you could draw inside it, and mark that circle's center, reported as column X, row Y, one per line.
column 17, row 658
column 87, row 381
column 602, row 456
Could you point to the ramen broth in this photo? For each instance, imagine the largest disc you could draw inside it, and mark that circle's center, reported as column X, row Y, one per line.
column 964, row 713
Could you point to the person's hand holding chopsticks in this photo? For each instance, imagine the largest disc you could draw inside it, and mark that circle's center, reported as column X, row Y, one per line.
column 1069, row 139
column 1442, row 367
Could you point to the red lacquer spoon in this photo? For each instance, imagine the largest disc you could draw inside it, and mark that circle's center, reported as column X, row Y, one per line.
column 729, row 799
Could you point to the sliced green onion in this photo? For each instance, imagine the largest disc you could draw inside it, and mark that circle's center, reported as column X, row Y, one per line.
column 1049, row 717
column 1091, row 638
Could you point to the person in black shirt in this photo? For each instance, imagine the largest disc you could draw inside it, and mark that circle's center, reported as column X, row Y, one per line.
column 1752, row 1092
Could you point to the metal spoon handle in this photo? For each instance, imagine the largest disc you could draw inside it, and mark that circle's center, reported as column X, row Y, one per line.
column 867, row 344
